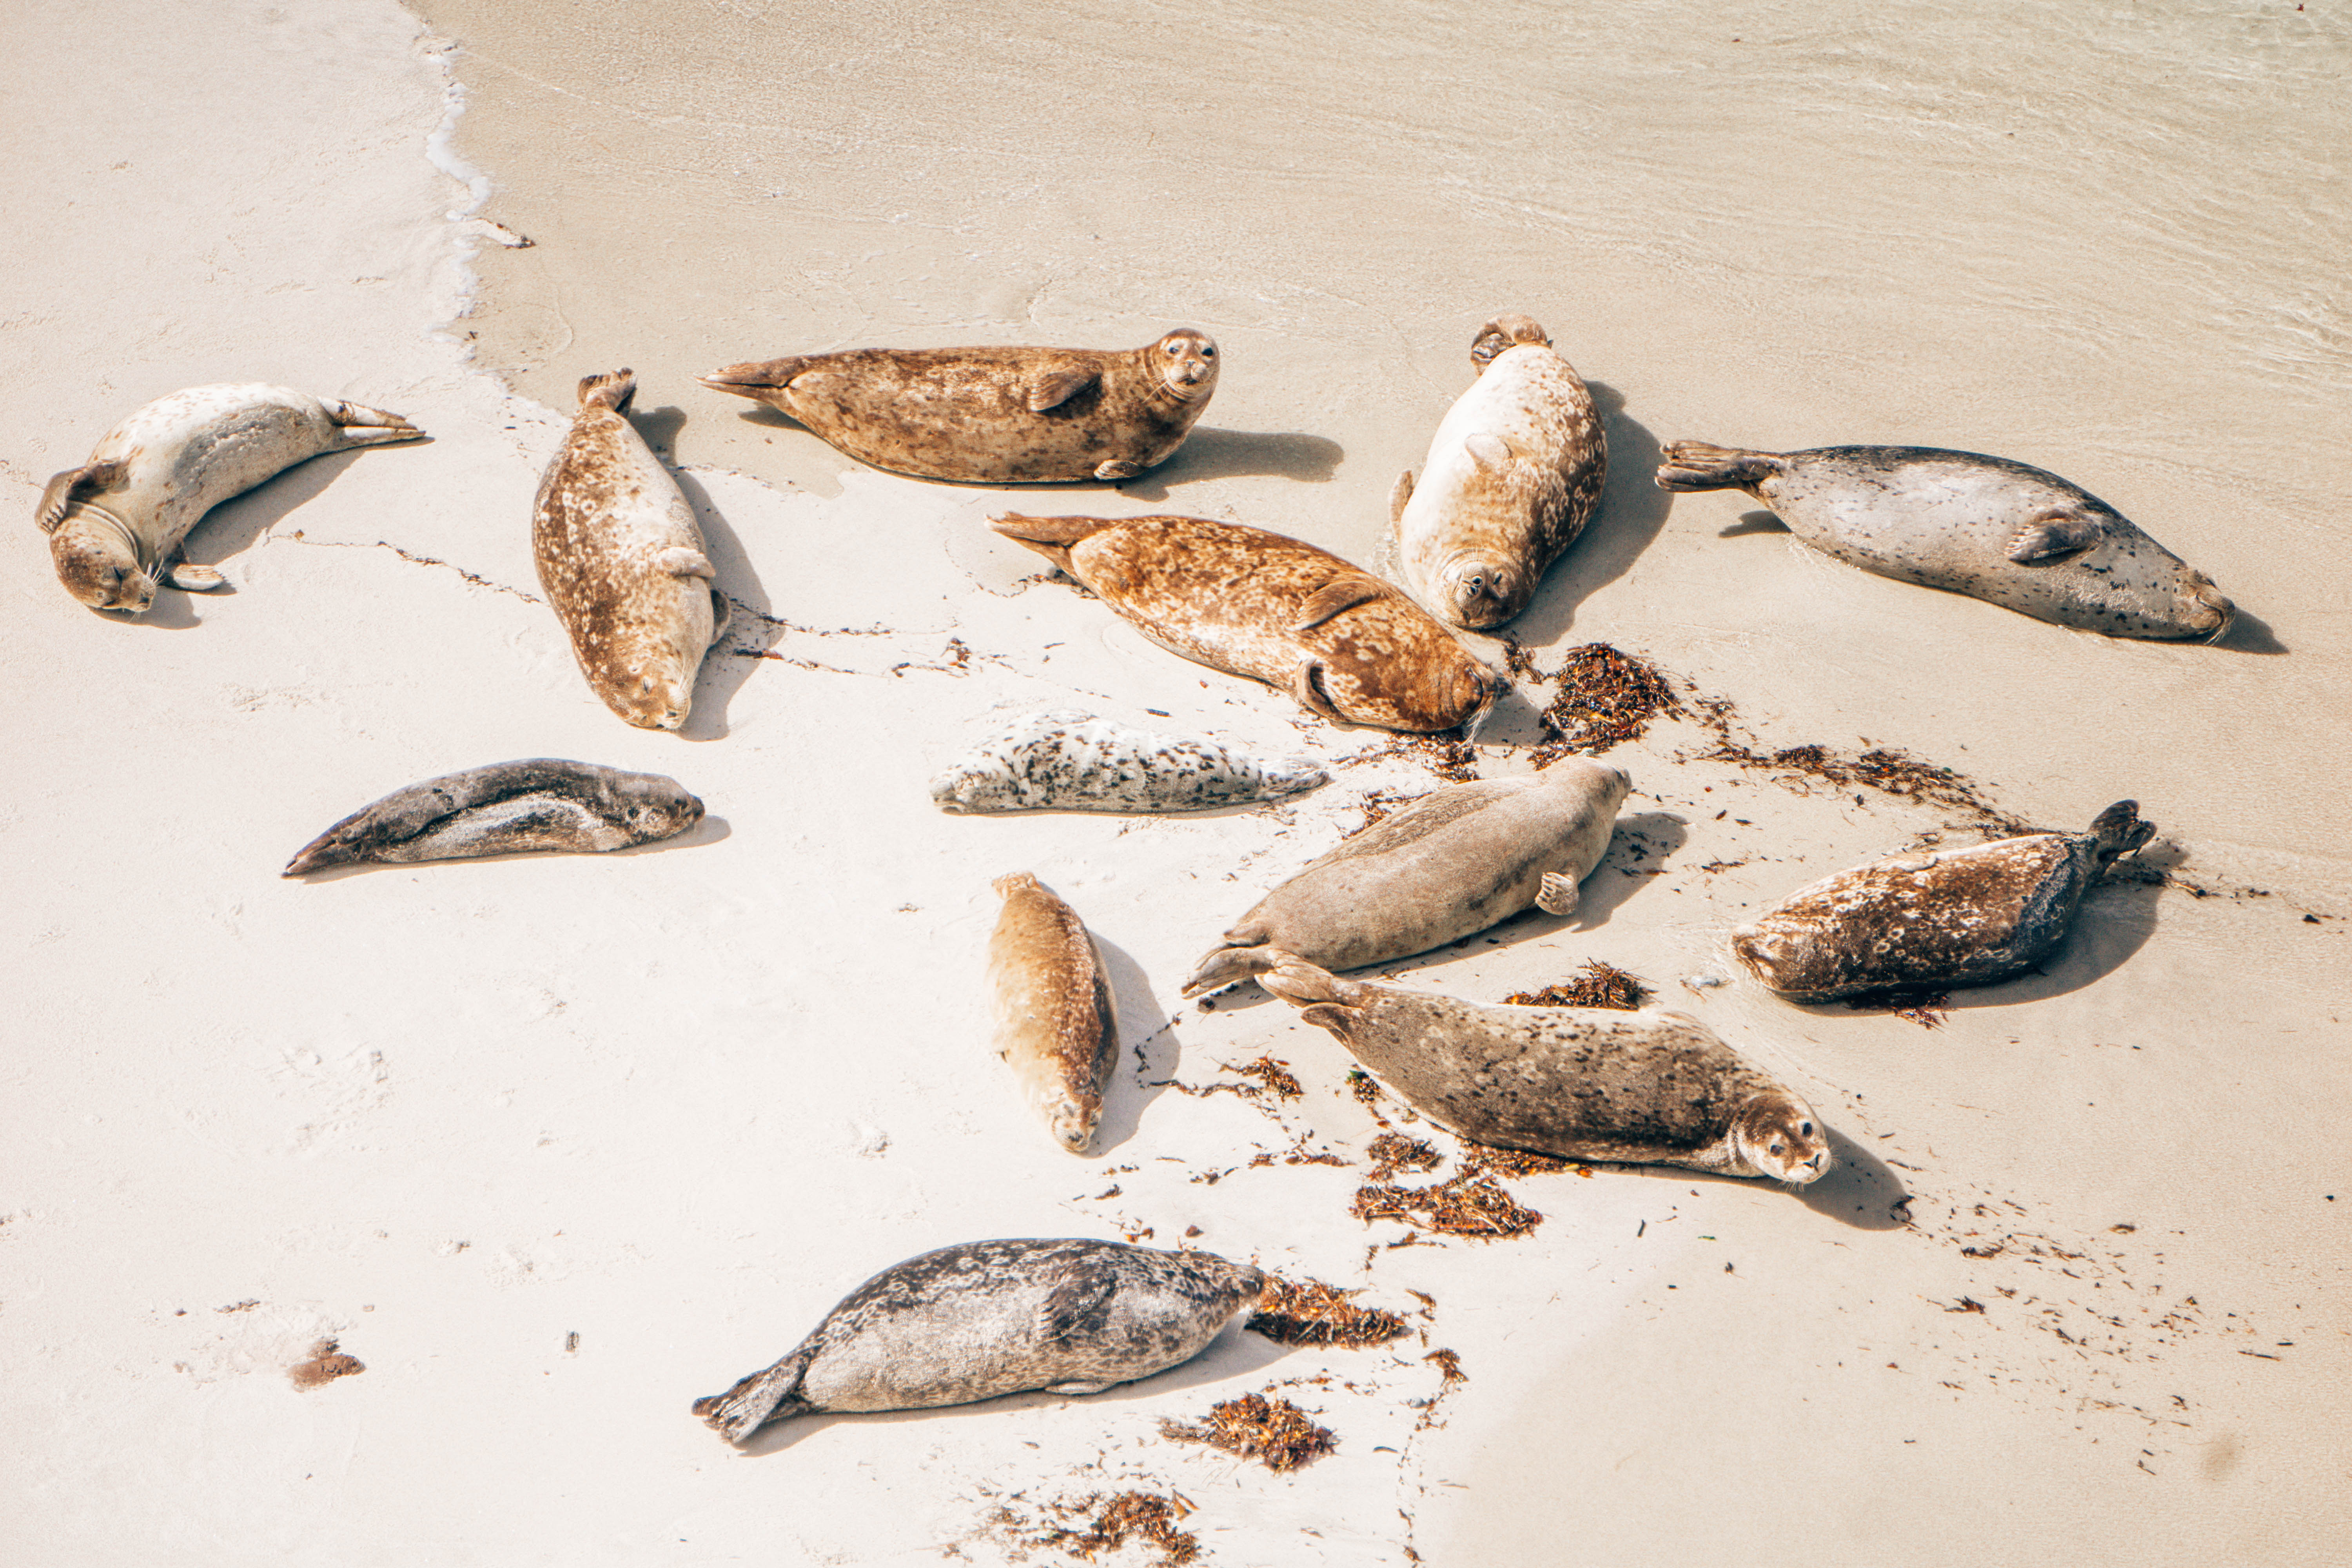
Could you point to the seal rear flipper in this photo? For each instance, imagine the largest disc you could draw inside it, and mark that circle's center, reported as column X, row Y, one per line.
column 1299, row 983
column 1503, row 333
column 1342, row 593
column 364, row 426
column 71, row 487
column 1697, row 466
column 1051, row 390
column 2054, row 536
column 1231, row 965
column 754, row 378
column 1400, row 497
column 759, row 1398
column 1557, row 893
column 2119, row 831
column 189, row 577
column 612, row 391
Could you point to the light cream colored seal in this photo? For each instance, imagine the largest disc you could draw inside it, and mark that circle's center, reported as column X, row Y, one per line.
column 1056, row 1025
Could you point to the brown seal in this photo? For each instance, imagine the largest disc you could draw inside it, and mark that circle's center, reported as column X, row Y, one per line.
column 1056, row 1026
column 1276, row 609
column 994, row 416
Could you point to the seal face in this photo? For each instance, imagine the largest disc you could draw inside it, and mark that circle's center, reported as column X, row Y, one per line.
column 2012, row 535
column 1068, row 761
column 116, row 523
column 623, row 563
column 539, row 805
column 1457, row 860
column 1650, row 1088
column 1956, row 917
column 991, row 1318
column 994, row 416
column 1512, row 477
column 1056, row 1025
column 1348, row 646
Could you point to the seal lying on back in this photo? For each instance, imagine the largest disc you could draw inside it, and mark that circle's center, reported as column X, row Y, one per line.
column 1995, row 530
column 1056, row 1025
column 623, row 563
column 115, row 523
column 1956, row 917
column 1651, row 1088
column 1457, row 860
column 990, row 1318
column 1512, row 477
column 994, row 416
column 542, row 803
column 1069, row 761
column 1348, row 646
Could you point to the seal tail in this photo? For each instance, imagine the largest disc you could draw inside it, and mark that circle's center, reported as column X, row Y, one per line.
column 612, row 392
column 1697, row 466
column 758, row 1399
column 2119, row 831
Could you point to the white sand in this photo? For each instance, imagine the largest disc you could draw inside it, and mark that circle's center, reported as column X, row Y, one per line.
column 675, row 1102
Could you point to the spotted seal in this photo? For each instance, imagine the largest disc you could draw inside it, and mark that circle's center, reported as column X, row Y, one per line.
column 994, row 416
column 1055, row 1025
column 1995, row 530
column 535, row 805
column 991, row 1318
column 115, row 523
column 1953, row 917
column 1346, row 644
column 1648, row 1088
column 1457, row 860
column 1512, row 477
column 1069, row 761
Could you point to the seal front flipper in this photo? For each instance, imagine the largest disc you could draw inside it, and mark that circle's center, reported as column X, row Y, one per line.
column 1057, row 387
column 71, row 487
column 680, row 562
column 1074, row 1308
column 1697, row 466
column 2054, row 536
column 1400, row 497
column 1487, row 449
column 1343, row 593
column 192, row 578
column 1118, row 469
column 753, row 1403
column 1558, row 894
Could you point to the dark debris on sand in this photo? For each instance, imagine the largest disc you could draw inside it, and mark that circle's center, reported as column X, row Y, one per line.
column 1469, row 1204
column 1928, row 1009
column 1393, row 1151
column 1883, row 769
column 1515, row 1162
column 1310, row 1312
column 1606, row 698
column 1115, row 1521
column 1275, row 1432
column 1599, row 985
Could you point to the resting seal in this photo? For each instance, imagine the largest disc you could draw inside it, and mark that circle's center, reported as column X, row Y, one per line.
column 1348, row 646
column 994, row 416
column 1457, row 860
column 115, row 524
column 1996, row 530
column 1512, row 477
column 990, row 1318
column 1956, row 917
column 1651, row 1088
column 623, row 563
column 1069, row 761
column 1056, row 1025
column 542, row 803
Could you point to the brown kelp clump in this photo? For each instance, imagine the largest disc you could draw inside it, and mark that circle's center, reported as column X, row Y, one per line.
column 1470, row 1205
column 1606, row 698
column 1275, row 1432
column 1597, row 985
column 1310, row 1312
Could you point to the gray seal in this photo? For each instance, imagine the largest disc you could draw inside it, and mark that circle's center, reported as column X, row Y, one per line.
column 1069, row 761
column 536, row 805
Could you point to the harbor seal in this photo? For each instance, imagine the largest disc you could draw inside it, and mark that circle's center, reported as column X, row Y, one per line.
column 1953, row 917
column 1512, row 477
column 623, row 563
column 1068, row 761
column 536, row 805
column 116, row 523
column 1647, row 1088
column 1346, row 644
column 1001, row 415
column 1056, row 1025
column 991, row 1318
column 1994, row 529
column 1457, row 860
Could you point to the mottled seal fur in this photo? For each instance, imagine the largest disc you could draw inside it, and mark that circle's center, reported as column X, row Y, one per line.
column 1997, row 530
column 991, row 1318
column 1348, row 646
column 994, row 416
column 542, row 803
column 1650, row 1087
column 1953, row 917
column 1512, row 477
column 623, row 563
column 1068, row 761
column 115, row 523
column 1055, row 1025
column 1457, row 860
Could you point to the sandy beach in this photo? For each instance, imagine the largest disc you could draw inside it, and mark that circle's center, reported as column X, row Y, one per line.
column 549, row 1146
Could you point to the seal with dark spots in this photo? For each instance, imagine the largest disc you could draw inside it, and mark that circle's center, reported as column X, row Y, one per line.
column 1997, row 530
column 539, row 805
column 1953, row 917
column 1457, row 860
column 1069, row 761
column 1648, row 1088
column 623, row 563
column 1056, row 1027
column 994, row 416
column 115, row 523
column 991, row 1318
column 1348, row 646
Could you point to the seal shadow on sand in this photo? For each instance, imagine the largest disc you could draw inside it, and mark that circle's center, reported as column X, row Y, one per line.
column 1633, row 511
column 710, row 830
column 752, row 629
column 1147, row 1043
column 1860, row 1190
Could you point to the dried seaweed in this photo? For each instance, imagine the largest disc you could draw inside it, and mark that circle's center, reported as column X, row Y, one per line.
column 1450, row 1364
column 1606, row 699
column 327, row 1364
column 1515, row 1162
column 1882, row 768
column 1275, row 1432
column 1116, row 1521
column 1273, row 1076
column 1310, row 1312
column 1393, row 1151
column 1599, row 985
column 1928, row 1009
column 1469, row 1204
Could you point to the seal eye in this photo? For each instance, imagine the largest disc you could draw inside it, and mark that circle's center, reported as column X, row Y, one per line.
column 1173, row 347
column 1804, row 1129
column 1208, row 350
column 1776, row 1148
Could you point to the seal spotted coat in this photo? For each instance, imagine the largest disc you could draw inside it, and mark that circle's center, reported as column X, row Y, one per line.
column 1055, row 1025
column 1068, row 761
column 542, row 803
column 991, row 1318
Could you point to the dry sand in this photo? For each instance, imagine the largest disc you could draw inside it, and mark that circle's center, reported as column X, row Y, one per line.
column 551, row 1146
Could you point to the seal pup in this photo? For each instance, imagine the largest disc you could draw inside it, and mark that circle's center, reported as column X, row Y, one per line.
column 1457, row 860
column 1346, row 644
column 116, row 523
column 1001, row 415
column 1056, row 1025
column 540, row 804
column 991, row 1318
column 1512, row 477
column 1648, row 1088
column 1065, row 760
column 623, row 563
column 1953, row 917
column 1994, row 529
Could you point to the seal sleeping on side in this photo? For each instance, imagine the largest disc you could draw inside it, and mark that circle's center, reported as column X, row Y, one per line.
column 991, row 1318
column 1069, row 761
column 1055, row 1025
column 542, row 803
